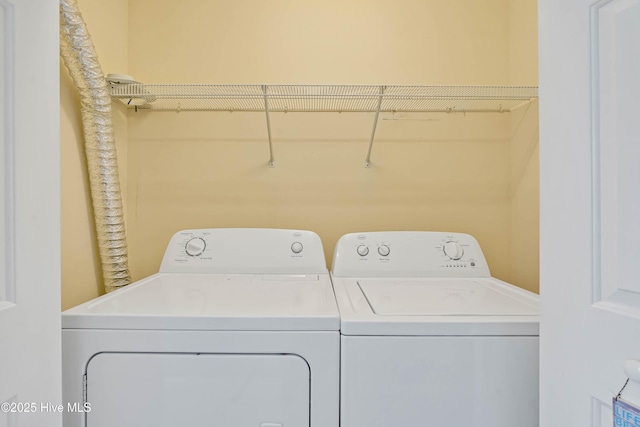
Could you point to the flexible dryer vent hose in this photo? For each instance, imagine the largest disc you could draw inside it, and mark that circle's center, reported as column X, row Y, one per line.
column 80, row 58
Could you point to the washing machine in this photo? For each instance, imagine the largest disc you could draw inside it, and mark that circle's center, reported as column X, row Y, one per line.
column 240, row 327
column 429, row 338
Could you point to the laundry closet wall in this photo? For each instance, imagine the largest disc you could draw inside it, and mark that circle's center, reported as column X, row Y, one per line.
column 524, row 178
column 432, row 171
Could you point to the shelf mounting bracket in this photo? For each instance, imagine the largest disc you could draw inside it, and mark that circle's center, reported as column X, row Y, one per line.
column 367, row 162
column 272, row 160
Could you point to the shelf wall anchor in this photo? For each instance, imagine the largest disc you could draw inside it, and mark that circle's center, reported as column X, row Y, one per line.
column 367, row 162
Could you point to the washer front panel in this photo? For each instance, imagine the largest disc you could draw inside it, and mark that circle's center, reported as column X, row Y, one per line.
column 167, row 390
column 439, row 381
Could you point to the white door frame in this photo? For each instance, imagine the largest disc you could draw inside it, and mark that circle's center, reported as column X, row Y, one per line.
column 30, row 361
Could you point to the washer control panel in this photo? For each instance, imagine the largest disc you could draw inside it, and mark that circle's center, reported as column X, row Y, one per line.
column 409, row 254
column 244, row 250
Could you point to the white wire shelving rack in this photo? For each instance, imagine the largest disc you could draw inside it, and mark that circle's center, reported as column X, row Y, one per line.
column 322, row 98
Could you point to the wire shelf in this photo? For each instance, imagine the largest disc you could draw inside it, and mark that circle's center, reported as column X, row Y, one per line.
column 322, row 98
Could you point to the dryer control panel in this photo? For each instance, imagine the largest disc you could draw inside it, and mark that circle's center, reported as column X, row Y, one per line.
column 244, row 251
column 409, row 254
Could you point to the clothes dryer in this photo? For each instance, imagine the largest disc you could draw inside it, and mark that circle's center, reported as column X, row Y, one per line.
column 239, row 328
column 429, row 338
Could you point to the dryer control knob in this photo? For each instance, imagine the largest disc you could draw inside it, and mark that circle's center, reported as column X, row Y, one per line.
column 363, row 250
column 195, row 246
column 384, row 250
column 453, row 249
column 296, row 247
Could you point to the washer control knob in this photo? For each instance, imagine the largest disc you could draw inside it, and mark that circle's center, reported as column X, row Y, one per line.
column 384, row 250
column 363, row 250
column 453, row 249
column 296, row 247
column 195, row 246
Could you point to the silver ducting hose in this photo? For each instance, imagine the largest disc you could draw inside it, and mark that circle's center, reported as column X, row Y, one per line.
column 80, row 58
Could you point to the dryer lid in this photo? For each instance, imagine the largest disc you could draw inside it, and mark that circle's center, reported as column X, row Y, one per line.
column 224, row 302
column 443, row 297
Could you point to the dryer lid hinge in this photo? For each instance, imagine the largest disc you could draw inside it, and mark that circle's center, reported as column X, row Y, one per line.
column 84, row 389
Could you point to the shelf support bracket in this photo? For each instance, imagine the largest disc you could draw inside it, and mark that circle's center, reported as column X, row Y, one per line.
column 272, row 160
column 367, row 162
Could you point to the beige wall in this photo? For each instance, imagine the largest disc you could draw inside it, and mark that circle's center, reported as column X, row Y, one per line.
column 523, row 42
column 210, row 170
column 430, row 171
column 182, row 170
column 524, row 166
column 81, row 273
column 319, row 41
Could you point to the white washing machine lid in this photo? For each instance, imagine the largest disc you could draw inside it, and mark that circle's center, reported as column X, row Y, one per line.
column 435, row 306
column 226, row 302
column 442, row 297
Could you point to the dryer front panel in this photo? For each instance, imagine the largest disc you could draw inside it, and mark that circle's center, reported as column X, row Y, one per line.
column 197, row 390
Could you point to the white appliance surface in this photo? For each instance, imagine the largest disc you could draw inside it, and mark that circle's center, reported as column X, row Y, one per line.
column 223, row 390
column 239, row 327
column 445, row 297
column 408, row 381
column 429, row 337
column 214, row 302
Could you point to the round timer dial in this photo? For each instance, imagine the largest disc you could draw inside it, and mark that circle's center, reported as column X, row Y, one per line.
column 453, row 249
column 362, row 250
column 195, row 246
column 296, row 247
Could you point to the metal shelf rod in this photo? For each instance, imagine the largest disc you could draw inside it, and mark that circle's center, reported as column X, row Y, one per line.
column 367, row 162
column 272, row 160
